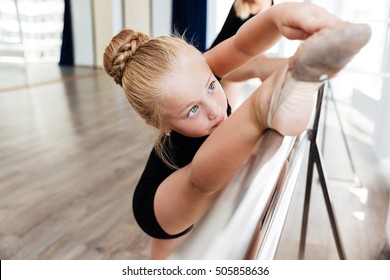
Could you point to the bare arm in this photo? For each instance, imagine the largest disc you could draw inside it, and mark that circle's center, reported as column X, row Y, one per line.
column 238, row 50
column 269, row 25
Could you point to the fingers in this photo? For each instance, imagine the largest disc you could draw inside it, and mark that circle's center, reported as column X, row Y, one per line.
column 318, row 22
column 299, row 21
column 295, row 33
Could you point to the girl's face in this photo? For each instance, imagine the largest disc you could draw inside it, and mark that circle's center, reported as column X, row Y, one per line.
column 194, row 100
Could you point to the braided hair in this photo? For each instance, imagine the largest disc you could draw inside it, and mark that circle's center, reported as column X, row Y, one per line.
column 140, row 65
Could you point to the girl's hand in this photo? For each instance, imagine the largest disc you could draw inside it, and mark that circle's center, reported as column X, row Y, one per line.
column 297, row 21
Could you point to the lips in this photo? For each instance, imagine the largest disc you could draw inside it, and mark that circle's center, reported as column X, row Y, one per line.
column 219, row 123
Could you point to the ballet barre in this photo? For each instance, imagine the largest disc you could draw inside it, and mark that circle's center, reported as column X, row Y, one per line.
column 247, row 220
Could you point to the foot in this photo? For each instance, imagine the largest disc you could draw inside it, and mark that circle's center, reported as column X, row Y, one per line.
column 320, row 57
column 325, row 53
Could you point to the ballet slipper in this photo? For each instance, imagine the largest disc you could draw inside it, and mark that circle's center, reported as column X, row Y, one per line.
column 292, row 104
column 320, row 57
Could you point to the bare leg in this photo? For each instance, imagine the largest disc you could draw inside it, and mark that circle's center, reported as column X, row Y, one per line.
column 261, row 67
column 162, row 248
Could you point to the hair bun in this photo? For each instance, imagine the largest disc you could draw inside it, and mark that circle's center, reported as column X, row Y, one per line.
column 120, row 51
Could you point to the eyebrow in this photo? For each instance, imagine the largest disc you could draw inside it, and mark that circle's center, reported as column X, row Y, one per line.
column 211, row 76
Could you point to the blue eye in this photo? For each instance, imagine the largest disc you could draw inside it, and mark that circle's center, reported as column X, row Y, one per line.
column 193, row 111
column 211, row 87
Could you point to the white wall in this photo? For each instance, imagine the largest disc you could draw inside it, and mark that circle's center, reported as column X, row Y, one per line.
column 137, row 15
column 217, row 12
column 161, row 17
column 103, row 28
column 82, row 28
column 117, row 16
column 94, row 22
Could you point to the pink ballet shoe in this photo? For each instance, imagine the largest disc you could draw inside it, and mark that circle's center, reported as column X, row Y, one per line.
column 320, row 57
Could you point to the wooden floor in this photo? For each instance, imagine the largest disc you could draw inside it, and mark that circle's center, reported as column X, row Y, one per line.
column 71, row 151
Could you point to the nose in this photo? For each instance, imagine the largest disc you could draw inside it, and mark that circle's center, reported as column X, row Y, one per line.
column 214, row 111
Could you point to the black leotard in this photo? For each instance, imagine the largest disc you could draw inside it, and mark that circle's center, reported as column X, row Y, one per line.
column 183, row 151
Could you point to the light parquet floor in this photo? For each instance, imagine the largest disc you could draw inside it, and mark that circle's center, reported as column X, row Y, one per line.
column 71, row 151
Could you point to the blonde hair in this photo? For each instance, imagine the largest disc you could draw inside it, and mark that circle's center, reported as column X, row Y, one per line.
column 244, row 8
column 140, row 65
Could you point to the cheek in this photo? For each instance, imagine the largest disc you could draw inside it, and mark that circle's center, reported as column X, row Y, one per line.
column 221, row 92
column 200, row 127
column 222, row 99
column 222, row 95
column 193, row 128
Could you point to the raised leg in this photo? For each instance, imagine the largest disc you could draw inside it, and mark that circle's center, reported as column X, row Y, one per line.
column 320, row 57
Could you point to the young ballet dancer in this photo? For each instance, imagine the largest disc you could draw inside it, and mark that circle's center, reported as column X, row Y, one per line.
column 201, row 144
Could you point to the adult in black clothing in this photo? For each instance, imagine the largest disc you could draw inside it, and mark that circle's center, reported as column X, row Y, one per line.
column 239, row 13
